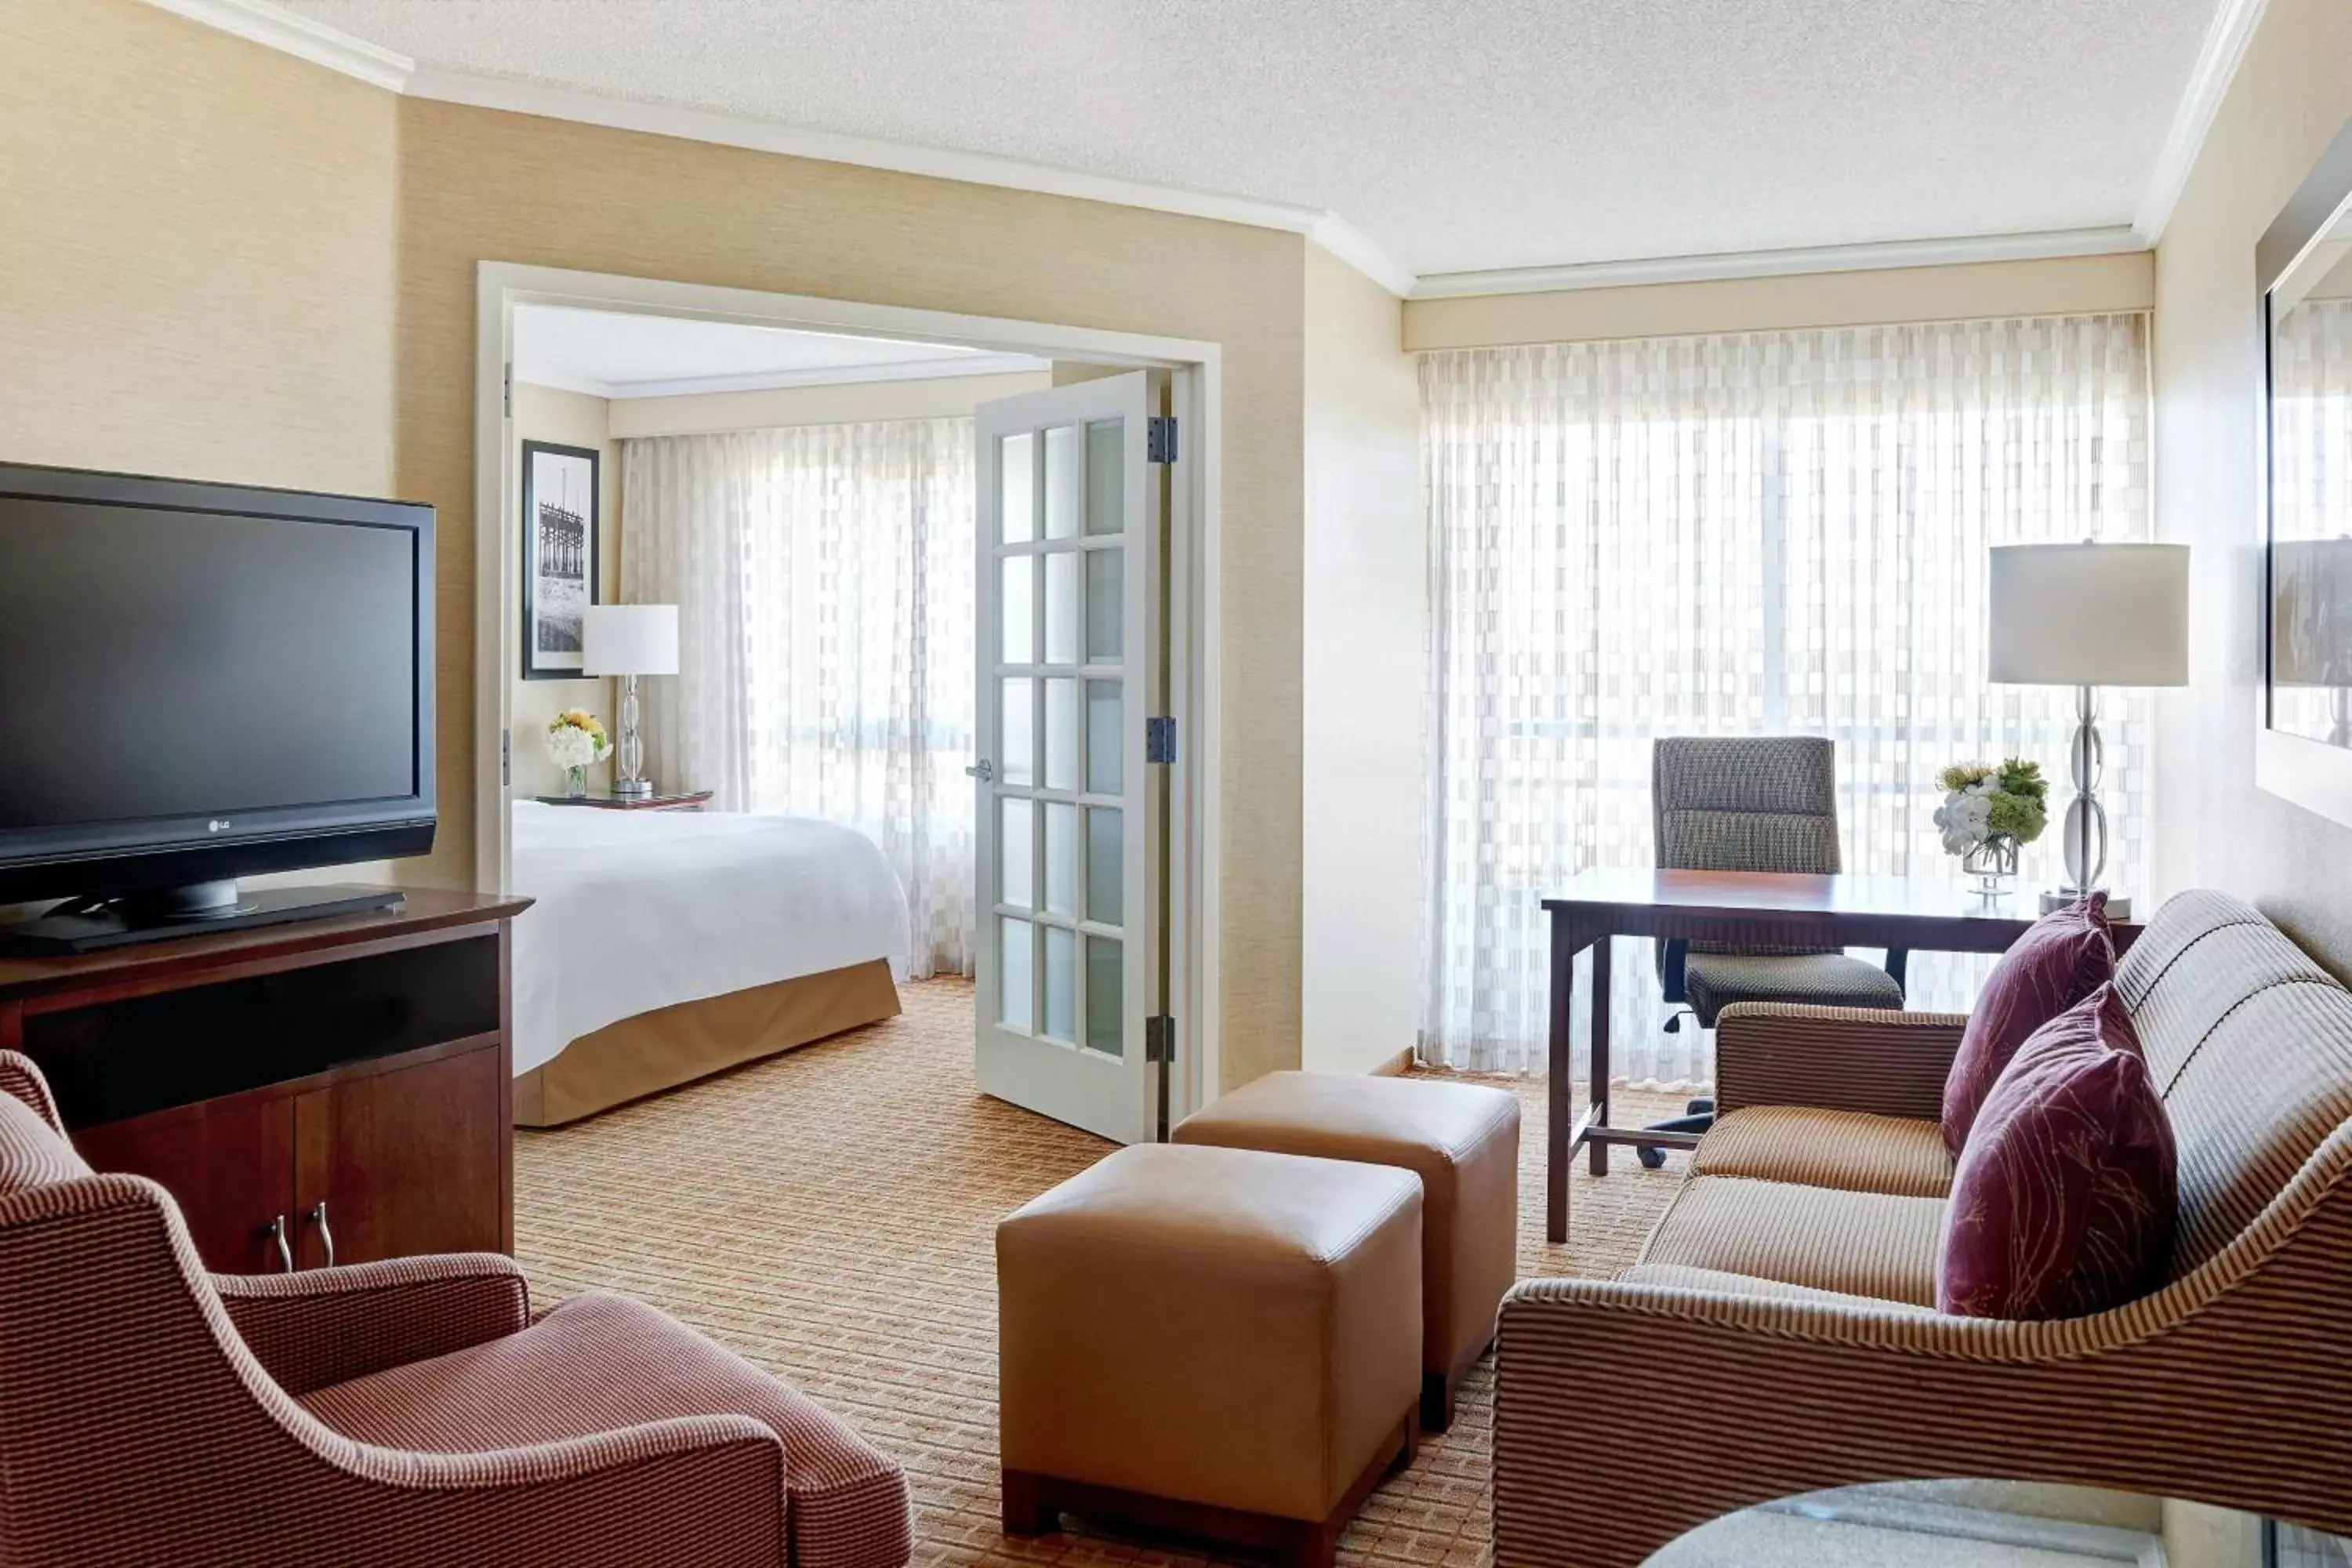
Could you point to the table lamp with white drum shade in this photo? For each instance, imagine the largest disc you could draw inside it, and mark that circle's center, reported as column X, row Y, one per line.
column 2088, row 615
column 629, row 640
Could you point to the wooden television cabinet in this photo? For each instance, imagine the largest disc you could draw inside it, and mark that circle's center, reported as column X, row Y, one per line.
column 341, row 1087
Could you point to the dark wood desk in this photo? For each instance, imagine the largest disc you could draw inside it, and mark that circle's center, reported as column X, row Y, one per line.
column 1739, row 909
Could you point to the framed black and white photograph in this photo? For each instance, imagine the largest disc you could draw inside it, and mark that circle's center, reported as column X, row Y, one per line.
column 559, row 556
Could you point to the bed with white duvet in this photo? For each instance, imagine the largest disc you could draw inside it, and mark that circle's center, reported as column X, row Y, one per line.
column 663, row 945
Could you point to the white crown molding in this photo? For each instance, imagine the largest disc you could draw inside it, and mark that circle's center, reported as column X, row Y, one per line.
column 1958, row 251
column 556, row 381
column 278, row 28
column 779, row 380
column 2192, row 121
column 836, row 375
column 1360, row 250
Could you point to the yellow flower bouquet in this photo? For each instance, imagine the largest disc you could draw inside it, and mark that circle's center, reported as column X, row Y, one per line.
column 576, row 741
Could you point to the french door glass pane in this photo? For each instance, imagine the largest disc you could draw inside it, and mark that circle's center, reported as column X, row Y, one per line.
column 1105, row 867
column 1018, row 739
column 1014, row 1002
column 1104, row 739
column 1061, row 984
column 1106, row 605
column 1018, row 614
column 1063, row 459
column 1016, row 847
column 1062, row 859
column 1061, row 734
column 1106, row 980
column 1062, row 609
column 1017, row 487
column 1107, row 477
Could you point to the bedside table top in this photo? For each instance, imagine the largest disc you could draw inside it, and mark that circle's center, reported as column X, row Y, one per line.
column 605, row 800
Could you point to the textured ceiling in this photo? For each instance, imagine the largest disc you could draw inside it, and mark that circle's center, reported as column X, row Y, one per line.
column 1461, row 134
column 627, row 354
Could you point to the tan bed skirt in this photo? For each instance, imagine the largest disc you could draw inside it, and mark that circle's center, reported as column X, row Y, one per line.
column 675, row 1044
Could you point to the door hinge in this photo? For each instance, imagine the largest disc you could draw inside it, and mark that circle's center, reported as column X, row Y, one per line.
column 1159, row 439
column 1160, row 1038
column 508, row 393
column 1160, row 740
column 506, row 756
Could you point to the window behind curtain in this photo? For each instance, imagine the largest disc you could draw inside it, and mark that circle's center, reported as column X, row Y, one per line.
column 1756, row 533
column 823, row 576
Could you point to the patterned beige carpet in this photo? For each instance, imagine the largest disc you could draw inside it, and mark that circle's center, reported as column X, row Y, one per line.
column 830, row 1214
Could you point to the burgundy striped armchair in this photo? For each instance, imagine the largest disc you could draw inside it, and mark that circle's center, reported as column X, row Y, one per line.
column 391, row 1413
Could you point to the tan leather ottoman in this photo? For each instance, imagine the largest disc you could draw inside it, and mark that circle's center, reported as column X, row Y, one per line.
column 1460, row 1139
column 1218, row 1342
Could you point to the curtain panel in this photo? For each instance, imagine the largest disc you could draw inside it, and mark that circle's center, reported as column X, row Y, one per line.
column 1769, row 532
column 823, row 576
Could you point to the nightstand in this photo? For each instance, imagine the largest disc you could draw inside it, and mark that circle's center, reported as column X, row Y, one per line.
column 604, row 801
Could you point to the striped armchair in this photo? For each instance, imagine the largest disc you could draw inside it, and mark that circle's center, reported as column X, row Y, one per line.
column 1795, row 1276
column 378, row 1417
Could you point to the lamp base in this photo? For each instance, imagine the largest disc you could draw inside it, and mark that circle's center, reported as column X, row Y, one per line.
column 633, row 789
column 2056, row 899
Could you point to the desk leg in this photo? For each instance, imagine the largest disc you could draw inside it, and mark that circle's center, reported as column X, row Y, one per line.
column 1601, row 1064
column 1560, row 1119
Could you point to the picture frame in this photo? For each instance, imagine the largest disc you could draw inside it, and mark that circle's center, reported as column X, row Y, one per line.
column 560, row 559
column 2303, row 709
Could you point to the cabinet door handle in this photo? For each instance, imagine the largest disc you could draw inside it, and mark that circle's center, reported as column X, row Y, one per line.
column 276, row 1231
column 318, row 1217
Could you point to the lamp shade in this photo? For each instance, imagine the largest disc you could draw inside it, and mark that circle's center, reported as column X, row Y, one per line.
column 2090, row 614
column 629, row 639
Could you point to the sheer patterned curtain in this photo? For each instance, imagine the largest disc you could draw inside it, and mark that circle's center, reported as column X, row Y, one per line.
column 1769, row 533
column 824, row 580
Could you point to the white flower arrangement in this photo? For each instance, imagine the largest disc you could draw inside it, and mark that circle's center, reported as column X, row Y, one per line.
column 1986, row 805
column 576, row 739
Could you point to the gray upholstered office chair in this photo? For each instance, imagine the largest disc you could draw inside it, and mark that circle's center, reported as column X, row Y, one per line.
column 1765, row 803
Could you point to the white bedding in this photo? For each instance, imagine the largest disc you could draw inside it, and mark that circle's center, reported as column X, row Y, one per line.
column 640, row 910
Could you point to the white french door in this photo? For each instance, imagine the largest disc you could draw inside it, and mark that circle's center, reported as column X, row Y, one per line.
column 1072, row 812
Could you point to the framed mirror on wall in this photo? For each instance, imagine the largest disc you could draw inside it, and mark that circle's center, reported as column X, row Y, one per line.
column 2302, row 742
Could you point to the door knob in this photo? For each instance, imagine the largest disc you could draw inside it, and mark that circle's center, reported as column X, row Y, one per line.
column 982, row 770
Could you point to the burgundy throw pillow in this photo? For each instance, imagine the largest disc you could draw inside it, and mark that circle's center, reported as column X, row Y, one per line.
column 2064, row 957
column 2066, row 1195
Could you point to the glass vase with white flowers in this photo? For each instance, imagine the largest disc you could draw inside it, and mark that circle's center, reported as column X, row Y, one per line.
column 1990, row 811
column 576, row 741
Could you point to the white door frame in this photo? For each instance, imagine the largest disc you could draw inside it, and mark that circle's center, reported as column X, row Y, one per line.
column 1195, row 533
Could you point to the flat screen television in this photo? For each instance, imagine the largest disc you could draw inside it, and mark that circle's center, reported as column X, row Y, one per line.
column 200, row 682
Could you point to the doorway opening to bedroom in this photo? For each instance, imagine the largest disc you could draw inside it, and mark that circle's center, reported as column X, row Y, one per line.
column 835, row 654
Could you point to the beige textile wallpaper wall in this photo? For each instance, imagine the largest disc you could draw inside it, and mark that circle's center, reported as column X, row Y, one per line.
column 196, row 264
column 2212, row 826
column 567, row 420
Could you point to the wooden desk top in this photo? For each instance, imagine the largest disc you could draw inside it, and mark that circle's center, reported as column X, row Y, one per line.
column 424, row 909
column 1947, row 905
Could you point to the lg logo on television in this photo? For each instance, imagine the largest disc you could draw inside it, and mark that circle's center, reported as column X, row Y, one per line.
column 217, row 824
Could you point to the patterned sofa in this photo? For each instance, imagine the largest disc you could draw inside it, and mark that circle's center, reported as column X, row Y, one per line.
column 1790, row 1287
column 382, row 1415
